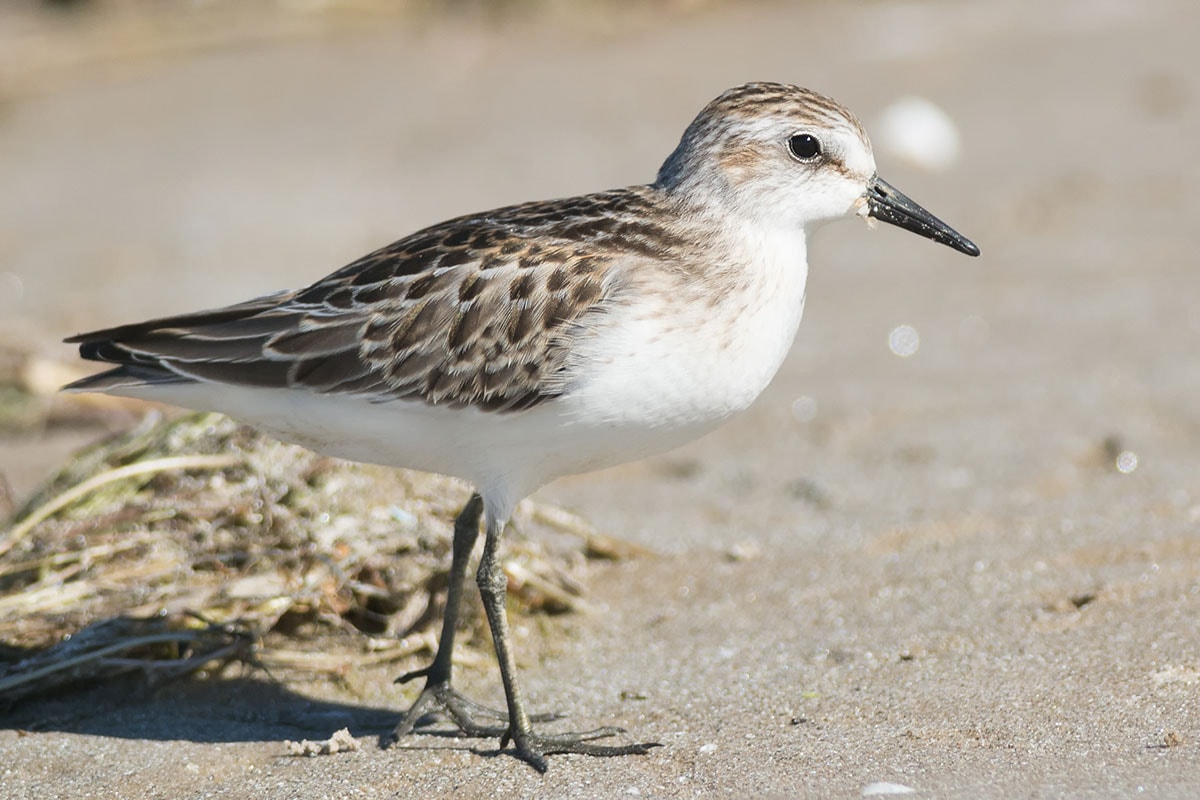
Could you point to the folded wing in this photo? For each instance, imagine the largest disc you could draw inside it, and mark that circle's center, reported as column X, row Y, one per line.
column 469, row 313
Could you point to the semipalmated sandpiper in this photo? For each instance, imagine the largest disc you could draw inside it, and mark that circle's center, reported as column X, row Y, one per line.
column 549, row 338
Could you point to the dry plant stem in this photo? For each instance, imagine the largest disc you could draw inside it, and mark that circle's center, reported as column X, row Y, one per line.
column 518, row 572
column 87, row 555
column 199, row 513
column 7, row 684
column 18, row 531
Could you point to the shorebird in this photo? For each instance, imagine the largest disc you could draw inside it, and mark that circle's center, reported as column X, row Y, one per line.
column 518, row 345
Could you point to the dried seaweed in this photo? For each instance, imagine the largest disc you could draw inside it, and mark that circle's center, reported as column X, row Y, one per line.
column 197, row 540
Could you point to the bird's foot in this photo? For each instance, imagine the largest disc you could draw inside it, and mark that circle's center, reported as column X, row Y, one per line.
column 471, row 718
column 477, row 720
column 532, row 748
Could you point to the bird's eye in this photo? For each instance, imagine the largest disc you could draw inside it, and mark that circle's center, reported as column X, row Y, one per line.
column 804, row 146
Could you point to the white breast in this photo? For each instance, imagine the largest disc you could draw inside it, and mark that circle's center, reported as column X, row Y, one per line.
column 682, row 357
column 670, row 363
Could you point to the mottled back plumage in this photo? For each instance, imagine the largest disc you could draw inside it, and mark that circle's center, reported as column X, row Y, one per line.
column 489, row 311
column 477, row 311
column 512, row 347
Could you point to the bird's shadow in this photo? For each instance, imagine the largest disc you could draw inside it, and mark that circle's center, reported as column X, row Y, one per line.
column 225, row 710
column 242, row 709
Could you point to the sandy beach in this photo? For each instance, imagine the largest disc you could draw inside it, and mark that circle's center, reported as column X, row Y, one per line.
column 972, row 571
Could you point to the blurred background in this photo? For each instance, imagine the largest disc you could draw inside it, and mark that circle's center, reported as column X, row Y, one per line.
column 163, row 155
column 1028, row 418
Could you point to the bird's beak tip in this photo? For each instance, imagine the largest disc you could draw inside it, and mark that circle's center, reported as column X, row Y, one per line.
column 885, row 203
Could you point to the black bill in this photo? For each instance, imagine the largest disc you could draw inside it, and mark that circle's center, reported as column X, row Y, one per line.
column 887, row 204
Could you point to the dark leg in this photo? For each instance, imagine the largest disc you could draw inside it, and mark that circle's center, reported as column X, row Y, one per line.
column 466, row 531
column 438, row 695
column 531, row 748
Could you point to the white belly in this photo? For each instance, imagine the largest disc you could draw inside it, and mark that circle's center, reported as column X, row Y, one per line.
column 692, row 355
column 663, row 369
column 507, row 456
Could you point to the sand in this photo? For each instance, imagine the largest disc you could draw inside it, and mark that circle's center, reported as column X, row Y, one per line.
column 924, row 572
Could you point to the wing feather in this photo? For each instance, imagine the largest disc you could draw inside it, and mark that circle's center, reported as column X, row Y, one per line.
column 482, row 311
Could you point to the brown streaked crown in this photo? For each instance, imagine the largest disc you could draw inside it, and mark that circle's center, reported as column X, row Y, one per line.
column 737, row 110
column 481, row 311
